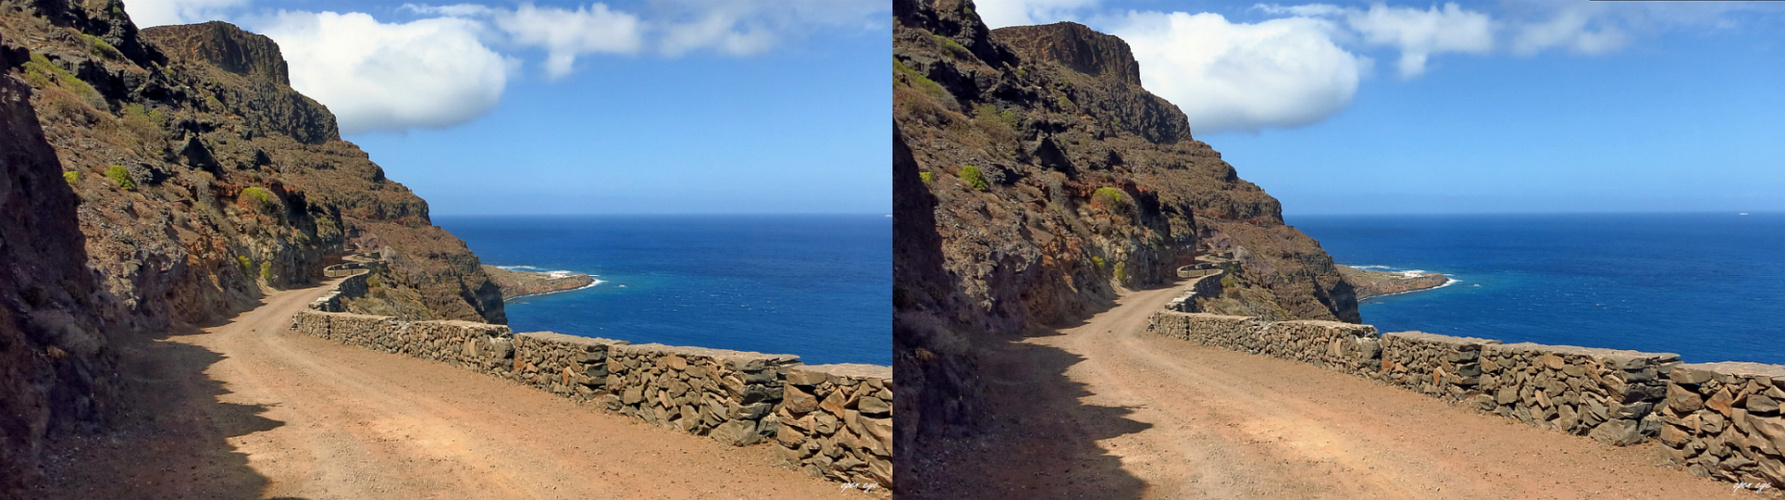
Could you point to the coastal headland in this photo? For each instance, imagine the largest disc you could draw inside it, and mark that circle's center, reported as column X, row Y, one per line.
column 517, row 283
column 1377, row 283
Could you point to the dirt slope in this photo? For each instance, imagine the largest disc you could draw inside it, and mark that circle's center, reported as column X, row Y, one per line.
column 1108, row 410
column 251, row 409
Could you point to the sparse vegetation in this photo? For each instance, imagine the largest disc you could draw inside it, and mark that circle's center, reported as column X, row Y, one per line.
column 1121, row 272
column 266, row 272
column 101, row 49
column 1228, row 281
column 926, row 177
column 259, row 199
column 148, row 124
column 41, row 73
column 1098, row 261
column 1112, row 198
column 72, row 176
column 120, row 176
column 246, row 264
column 1000, row 126
column 973, row 177
column 920, row 82
column 951, row 48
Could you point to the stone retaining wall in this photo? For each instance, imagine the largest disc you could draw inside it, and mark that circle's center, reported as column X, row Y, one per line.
column 1722, row 420
column 1718, row 419
column 830, row 421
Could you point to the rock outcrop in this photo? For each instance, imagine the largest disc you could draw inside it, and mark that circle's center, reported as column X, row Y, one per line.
column 202, row 176
column 56, row 361
column 1372, row 283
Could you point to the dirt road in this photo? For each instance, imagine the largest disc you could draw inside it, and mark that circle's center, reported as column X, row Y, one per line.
column 250, row 409
column 1108, row 410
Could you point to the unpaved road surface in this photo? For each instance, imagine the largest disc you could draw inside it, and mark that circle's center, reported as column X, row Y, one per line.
column 251, row 409
column 1109, row 410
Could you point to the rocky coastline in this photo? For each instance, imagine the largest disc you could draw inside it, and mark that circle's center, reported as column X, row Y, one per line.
column 1373, row 283
column 516, row 284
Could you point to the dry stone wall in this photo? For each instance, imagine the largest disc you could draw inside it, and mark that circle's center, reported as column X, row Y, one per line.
column 841, row 414
column 1718, row 419
column 1722, row 420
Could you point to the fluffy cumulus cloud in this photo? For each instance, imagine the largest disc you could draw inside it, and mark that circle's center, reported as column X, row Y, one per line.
column 749, row 27
column 564, row 34
column 1229, row 76
column 428, row 73
column 146, row 13
column 1420, row 33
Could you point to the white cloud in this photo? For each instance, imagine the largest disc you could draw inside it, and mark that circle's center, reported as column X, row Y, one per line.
column 1420, row 33
column 1001, row 13
column 429, row 73
column 146, row 13
column 749, row 27
column 1577, row 30
column 1229, row 76
column 566, row 34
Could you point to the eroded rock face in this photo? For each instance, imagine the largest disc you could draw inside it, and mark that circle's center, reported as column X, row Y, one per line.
column 56, row 361
column 1058, row 178
column 201, row 174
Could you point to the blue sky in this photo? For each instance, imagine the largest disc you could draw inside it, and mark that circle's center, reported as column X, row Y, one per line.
column 1469, row 107
column 656, row 106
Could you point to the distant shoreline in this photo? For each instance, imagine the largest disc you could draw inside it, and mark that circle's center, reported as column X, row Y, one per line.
column 516, row 283
column 1371, row 283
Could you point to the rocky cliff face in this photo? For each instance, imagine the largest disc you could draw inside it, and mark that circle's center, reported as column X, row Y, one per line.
column 1059, row 178
column 56, row 363
column 202, row 176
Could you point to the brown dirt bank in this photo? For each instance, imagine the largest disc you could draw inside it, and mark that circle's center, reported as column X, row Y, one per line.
column 251, row 409
column 1108, row 410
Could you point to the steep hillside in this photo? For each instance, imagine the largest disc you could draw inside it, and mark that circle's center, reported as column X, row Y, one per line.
column 1059, row 178
column 56, row 364
column 201, row 175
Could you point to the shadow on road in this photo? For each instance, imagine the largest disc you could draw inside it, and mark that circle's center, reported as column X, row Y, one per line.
column 170, row 439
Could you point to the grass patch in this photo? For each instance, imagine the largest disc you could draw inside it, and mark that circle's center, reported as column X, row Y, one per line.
column 920, row 82
column 41, row 73
column 1000, row 126
column 974, row 178
column 120, row 176
column 148, row 124
column 100, row 48
column 72, row 176
column 951, row 48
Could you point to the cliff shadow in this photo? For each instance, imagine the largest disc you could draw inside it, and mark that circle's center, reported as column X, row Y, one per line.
column 1036, row 438
column 170, row 437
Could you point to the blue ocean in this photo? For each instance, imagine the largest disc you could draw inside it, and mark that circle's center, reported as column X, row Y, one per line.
column 819, row 286
column 1710, row 287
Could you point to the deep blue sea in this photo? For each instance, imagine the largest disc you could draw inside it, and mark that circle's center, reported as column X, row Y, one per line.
column 819, row 286
column 1710, row 287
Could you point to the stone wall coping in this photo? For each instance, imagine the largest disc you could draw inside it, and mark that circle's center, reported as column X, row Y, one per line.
column 572, row 339
column 1737, row 368
column 460, row 323
column 1325, row 324
column 1440, row 339
column 850, row 370
column 1209, row 316
column 704, row 351
column 368, row 317
column 1595, row 352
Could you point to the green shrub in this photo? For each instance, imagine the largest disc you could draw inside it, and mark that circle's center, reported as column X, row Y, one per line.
column 1098, row 261
column 1228, row 281
column 246, row 264
column 951, row 48
column 101, row 49
column 120, row 176
column 1121, row 272
column 259, row 199
column 41, row 73
column 72, row 176
column 1111, row 197
column 266, row 272
column 974, row 178
column 148, row 124
column 926, row 177
column 922, row 83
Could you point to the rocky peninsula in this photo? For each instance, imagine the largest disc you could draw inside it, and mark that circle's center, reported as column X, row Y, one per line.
column 1373, row 283
column 516, row 283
